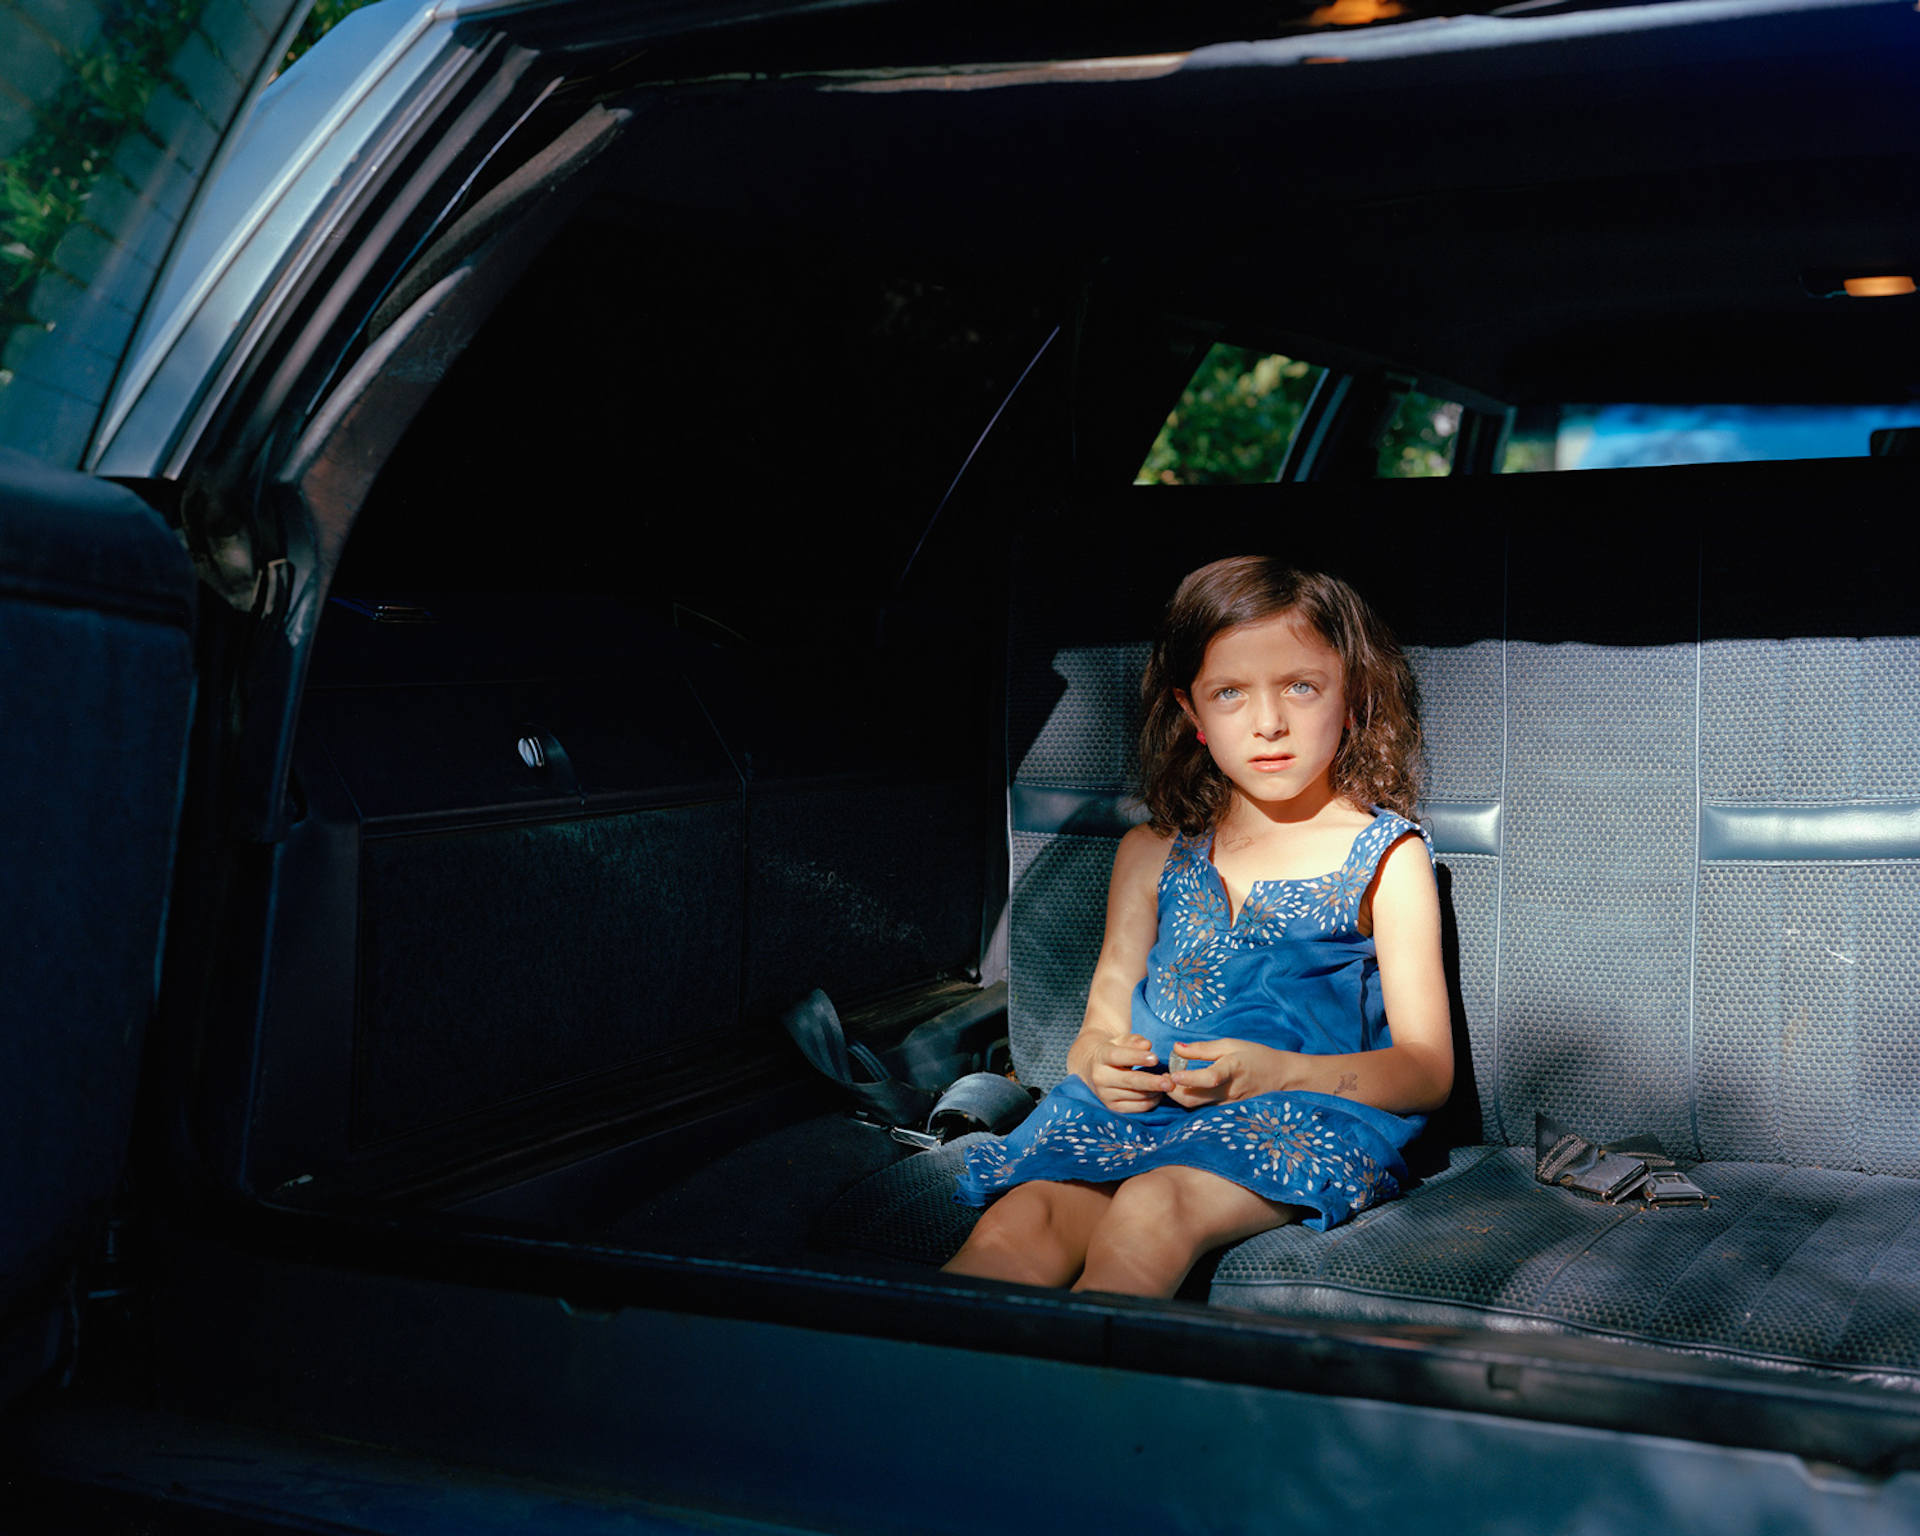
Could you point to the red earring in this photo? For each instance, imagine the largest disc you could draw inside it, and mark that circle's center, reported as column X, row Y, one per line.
column 1203, row 737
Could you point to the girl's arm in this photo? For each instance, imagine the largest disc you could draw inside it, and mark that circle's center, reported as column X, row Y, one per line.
column 1411, row 1076
column 1106, row 1050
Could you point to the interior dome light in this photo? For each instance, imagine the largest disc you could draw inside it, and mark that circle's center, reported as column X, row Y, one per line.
column 1877, row 287
column 1355, row 13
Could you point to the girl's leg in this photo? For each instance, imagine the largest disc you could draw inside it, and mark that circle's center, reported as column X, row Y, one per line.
column 1159, row 1223
column 1035, row 1233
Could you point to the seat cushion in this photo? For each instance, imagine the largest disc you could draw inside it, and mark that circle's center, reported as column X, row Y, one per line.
column 1807, row 1268
column 906, row 1211
column 1800, row 1268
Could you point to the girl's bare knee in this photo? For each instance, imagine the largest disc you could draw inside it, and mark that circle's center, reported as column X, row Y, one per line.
column 1023, row 1236
column 1153, row 1202
column 1193, row 1210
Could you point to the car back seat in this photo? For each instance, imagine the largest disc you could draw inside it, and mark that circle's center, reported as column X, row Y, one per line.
column 1674, row 784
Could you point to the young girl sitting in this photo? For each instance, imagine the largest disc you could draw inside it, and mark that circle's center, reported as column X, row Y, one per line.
column 1267, row 1025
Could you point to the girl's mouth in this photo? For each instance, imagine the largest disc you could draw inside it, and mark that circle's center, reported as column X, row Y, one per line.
column 1272, row 764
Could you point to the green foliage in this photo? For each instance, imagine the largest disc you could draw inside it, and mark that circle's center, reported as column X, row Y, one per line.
column 45, row 186
column 1418, row 441
column 1233, row 422
column 1239, row 413
column 325, row 15
column 1527, row 456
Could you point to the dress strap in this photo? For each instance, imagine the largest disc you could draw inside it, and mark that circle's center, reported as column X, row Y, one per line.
column 1372, row 844
column 1187, row 862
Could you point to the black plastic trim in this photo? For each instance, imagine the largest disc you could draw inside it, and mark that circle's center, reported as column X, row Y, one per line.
column 1544, row 1377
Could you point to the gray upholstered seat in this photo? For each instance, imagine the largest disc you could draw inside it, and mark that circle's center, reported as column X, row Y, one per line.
column 1680, row 846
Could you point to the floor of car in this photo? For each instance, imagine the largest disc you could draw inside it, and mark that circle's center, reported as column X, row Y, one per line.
column 762, row 1200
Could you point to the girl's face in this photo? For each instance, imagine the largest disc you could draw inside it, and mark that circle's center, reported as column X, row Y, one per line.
column 1271, row 701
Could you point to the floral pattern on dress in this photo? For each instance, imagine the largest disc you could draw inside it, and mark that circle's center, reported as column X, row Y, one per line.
column 1199, row 918
column 1287, row 1147
column 1187, row 868
column 1282, row 1147
column 1333, row 901
column 1284, row 1139
column 1188, row 986
column 1264, row 915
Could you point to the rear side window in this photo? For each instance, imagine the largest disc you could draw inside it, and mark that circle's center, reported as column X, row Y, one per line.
column 1419, row 438
column 1234, row 421
column 1632, row 436
column 1241, row 410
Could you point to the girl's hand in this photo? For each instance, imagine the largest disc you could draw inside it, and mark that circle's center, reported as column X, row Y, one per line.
column 1236, row 1069
column 1107, row 1068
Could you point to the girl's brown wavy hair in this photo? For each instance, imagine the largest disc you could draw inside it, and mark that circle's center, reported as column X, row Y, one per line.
column 1378, row 760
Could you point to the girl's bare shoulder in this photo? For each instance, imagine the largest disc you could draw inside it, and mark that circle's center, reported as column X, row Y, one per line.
column 1141, row 855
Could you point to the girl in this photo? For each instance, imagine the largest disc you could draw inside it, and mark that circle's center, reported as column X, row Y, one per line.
column 1236, row 1070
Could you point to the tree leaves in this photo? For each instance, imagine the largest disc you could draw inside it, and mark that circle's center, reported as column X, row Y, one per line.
column 1234, row 420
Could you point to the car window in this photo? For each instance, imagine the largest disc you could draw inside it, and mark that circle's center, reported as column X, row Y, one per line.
column 109, row 116
column 1628, row 436
column 1233, row 421
column 1419, row 438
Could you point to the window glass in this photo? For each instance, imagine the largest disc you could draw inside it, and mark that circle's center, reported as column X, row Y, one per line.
column 1629, row 436
column 322, row 19
column 1419, row 439
column 1234, row 420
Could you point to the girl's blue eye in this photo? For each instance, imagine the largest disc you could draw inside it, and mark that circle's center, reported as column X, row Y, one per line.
column 1301, row 687
column 1221, row 693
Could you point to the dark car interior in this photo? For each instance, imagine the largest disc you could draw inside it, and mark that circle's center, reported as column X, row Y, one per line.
column 785, row 720
column 756, row 607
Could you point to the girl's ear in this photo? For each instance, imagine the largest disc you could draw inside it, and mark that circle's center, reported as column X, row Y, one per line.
column 1186, row 705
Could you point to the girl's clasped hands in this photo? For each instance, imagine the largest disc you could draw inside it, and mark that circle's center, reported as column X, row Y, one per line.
column 1129, row 1079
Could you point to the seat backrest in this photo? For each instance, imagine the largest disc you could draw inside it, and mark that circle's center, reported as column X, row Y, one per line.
column 1672, row 781
column 96, row 622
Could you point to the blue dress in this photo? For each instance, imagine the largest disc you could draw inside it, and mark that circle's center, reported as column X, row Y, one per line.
column 1293, row 971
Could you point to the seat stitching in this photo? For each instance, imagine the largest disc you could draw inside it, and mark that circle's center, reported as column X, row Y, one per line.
column 1667, row 1290
column 1867, row 1279
column 1693, row 929
column 1788, row 1257
column 1890, row 1245
column 1730, row 1231
column 1554, row 1279
column 1500, row 858
column 1341, row 1233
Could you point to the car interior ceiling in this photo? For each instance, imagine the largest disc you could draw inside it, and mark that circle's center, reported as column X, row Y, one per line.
column 685, row 516
column 1650, row 236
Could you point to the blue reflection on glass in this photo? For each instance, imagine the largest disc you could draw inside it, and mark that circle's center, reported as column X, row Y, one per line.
column 1623, row 436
